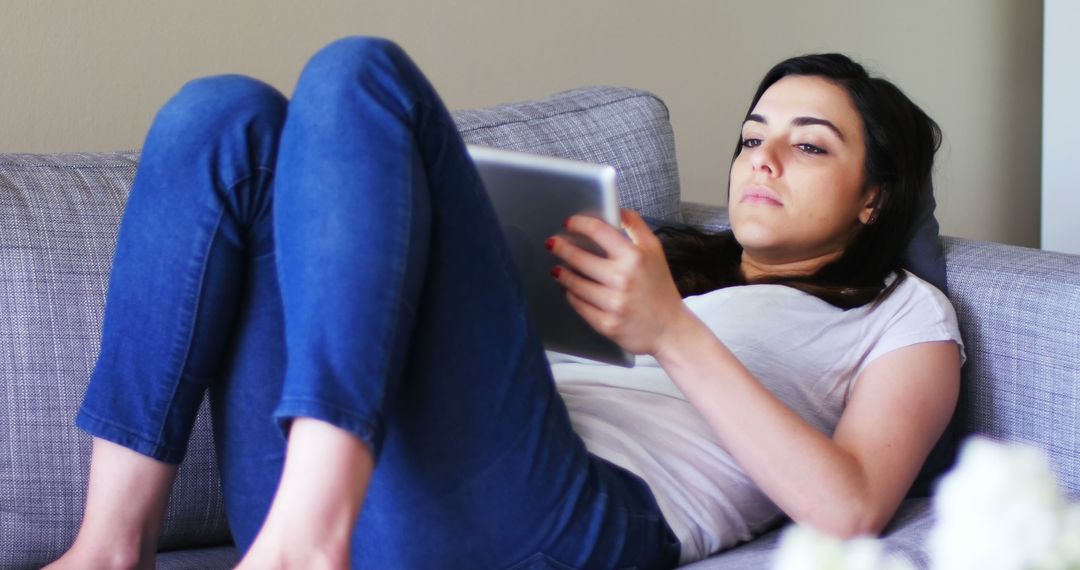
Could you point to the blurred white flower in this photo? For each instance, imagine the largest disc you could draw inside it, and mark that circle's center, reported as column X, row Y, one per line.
column 1065, row 554
column 803, row 548
column 999, row 509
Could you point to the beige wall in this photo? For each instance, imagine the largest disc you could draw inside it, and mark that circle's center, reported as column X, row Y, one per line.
column 83, row 75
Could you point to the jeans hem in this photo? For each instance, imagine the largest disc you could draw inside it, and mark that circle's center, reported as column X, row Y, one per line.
column 370, row 431
column 120, row 435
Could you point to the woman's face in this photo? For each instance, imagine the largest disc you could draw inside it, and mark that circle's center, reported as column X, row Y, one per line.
column 796, row 188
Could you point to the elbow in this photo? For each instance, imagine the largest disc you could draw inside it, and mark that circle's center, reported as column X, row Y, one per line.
column 864, row 515
column 853, row 523
column 864, row 526
column 852, row 510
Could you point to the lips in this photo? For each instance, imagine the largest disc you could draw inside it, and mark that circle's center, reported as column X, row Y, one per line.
column 760, row 195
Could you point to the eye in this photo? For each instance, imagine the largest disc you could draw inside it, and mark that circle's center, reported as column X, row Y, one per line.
column 810, row 149
column 751, row 143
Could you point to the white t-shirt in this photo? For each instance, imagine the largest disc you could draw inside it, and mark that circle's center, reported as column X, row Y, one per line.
column 807, row 352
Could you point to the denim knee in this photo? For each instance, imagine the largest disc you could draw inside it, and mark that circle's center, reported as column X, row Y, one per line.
column 348, row 57
column 223, row 128
column 224, row 101
column 205, row 111
column 373, row 65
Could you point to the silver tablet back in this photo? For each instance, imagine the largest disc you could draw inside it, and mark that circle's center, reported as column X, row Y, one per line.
column 532, row 196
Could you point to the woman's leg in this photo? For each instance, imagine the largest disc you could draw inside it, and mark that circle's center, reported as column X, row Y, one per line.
column 406, row 327
column 125, row 504
column 315, row 508
column 194, row 251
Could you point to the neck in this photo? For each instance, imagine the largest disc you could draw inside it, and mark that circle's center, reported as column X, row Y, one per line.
column 754, row 268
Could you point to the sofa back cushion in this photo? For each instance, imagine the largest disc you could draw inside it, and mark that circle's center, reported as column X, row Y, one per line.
column 1019, row 314
column 625, row 128
column 59, row 216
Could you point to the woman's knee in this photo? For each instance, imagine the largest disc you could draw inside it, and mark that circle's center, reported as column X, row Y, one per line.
column 358, row 53
column 352, row 63
column 221, row 104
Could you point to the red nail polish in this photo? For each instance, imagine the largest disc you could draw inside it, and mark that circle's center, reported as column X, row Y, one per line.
column 566, row 223
column 556, row 271
column 550, row 243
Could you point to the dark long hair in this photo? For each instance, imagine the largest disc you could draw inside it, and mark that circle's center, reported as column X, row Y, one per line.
column 901, row 141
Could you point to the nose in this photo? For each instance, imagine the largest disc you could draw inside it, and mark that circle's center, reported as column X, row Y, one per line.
column 765, row 159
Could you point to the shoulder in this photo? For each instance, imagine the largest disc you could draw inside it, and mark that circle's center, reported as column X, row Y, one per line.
column 915, row 312
column 915, row 294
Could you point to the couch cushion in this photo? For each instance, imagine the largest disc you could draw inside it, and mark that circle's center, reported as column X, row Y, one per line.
column 217, row 558
column 1018, row 310
column 625, row 128
column 905, row 536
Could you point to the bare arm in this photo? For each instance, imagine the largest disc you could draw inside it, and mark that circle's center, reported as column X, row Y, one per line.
column 851, row 484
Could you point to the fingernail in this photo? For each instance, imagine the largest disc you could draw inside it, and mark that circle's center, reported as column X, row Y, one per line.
column 550, row 243
column 556, row 271
column 566, row 223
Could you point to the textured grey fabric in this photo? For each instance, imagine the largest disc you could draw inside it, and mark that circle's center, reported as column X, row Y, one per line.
column 705, row 216
column 217, row 558
column 905, row 536
column 1019, row 312
column 58, row 220
column 625, row 128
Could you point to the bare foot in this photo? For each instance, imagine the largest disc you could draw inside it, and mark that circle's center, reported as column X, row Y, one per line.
column 80, row 557
column 285, row 555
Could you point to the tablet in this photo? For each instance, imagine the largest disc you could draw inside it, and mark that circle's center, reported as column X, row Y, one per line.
column 532, row 196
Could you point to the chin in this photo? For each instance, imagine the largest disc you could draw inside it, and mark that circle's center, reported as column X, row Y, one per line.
column 753, row 241
column 754, row 234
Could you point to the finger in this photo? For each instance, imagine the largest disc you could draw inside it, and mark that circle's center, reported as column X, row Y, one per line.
column 597, row 319
column 594, row 293
column 613, row 242
column 581, row 260
column 637, row 230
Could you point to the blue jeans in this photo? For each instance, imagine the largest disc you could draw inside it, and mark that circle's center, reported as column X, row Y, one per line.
column 336, row 257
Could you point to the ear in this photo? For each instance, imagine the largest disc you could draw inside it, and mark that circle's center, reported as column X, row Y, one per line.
column 870, row 204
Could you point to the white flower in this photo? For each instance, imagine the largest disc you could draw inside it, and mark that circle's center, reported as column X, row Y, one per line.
column 999, row 509
column 803, row 548
column 1066, row 552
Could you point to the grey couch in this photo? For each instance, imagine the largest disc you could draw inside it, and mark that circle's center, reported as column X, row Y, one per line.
column 1019, row 312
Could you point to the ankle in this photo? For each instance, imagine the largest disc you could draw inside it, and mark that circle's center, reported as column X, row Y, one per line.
column 314, row 512
column 122, row 560
column 279, row 549
column 104, row 555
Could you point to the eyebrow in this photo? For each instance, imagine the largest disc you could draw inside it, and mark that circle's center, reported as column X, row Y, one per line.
column 800, row 122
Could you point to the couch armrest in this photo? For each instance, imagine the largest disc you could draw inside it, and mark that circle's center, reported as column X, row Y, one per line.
column 1019, row 313
column 707, row 217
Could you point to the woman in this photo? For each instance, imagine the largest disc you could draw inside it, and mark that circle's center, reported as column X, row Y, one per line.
column 352, row 235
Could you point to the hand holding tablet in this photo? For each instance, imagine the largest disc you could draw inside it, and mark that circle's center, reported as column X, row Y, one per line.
column 628, row 295
column 533, row 195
